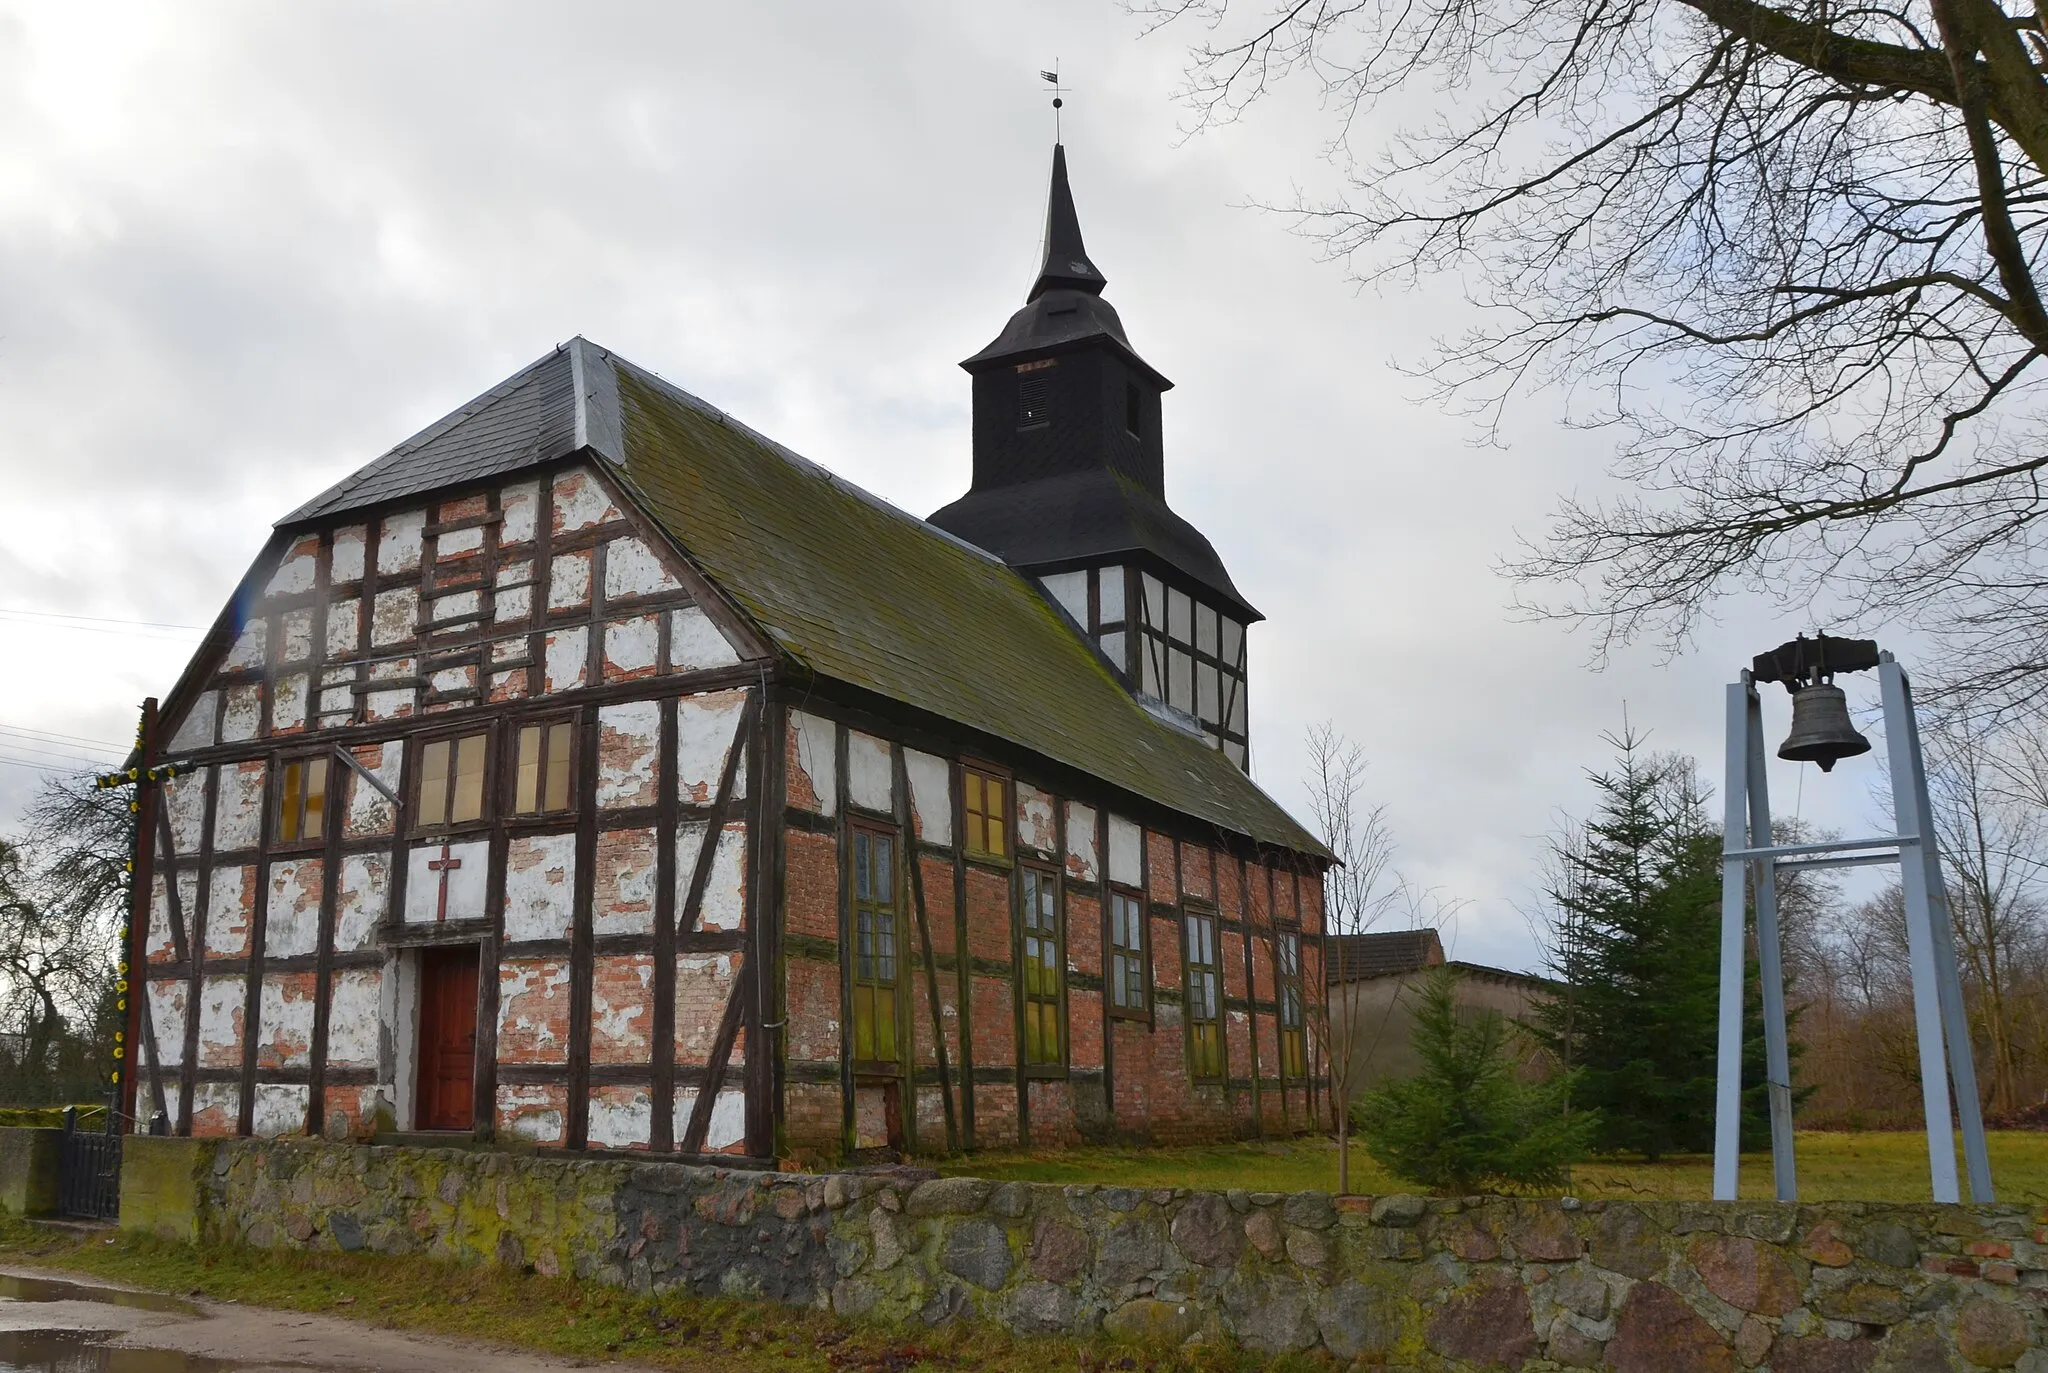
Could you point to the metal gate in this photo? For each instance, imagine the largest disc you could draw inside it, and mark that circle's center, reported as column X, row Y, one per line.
column 89, row 1170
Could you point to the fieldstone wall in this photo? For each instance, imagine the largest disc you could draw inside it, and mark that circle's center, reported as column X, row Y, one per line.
column 1393, row 1281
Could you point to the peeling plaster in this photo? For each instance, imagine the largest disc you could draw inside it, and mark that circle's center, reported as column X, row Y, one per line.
column 248, row 651
column 632, row 646
column 695, row 643
column 394, row 616
column 398, row 548
column 529, row 1032
column 291, row 922
column 238, row 812
column 288, row 711
column 345, row 554
column 581, row 502
column 518, row 505
column 167, row 1015
column 540, row 886
column 1126, row 852
column 628, row 752
column 703, row 985
column 298, row 635
column 632, row 569
column 931, row 795
column 725, row 893
column 344, row 627
column 352, row 1018
column 459, row 605
column 243, row 716
column 870, row 775
column 620, row 1117
column 568, row 658
column 284, row 1008
column 220, row 1021
column 370, row 812
column 216, row 1107
column 515, row 604
column 185, row 800
column 817, row 757
column 622, row 900
column 704, row 731
column 280, row 1109
column 458, row 542
column 160, row 946
column 621, row 1009
column 1081, row 857
column 231, row 905
column 569, row 580
column 1035, row 826
column 363, row 895
column 531, row 1112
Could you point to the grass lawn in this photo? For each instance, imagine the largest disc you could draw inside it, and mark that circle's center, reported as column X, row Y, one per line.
column 1870, row 1166
column 582, row 1322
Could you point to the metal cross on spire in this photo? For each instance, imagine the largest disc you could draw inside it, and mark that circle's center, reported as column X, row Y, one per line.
column 1052, row 79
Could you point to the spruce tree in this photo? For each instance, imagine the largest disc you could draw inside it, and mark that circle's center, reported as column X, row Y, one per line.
column 1637, row 956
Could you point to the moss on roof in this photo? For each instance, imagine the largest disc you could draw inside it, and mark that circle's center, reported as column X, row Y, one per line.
column 861, row 592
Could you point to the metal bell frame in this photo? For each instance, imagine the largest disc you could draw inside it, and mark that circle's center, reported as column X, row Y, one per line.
column 1941, row 1027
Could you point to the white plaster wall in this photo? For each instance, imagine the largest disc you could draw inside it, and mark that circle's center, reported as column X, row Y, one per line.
column 285, row 1017
column 394, row 616
column 369, row 812
column 567, row 658
column 248, row 651
column 466, row 884
column 870, row 776
column 628, row 753
column 728, row 1118
column 1126, row 852
column 352, row 1018
column 632, row 645
column 220, row 1017
column 569, row 580
column 288, row 711
column 397, row 1047
column 167, row 1013
column 624, row 890
column 817, row 756
column 1070, row 589
column 518, row 985
column 224, row 1097
column 227, row 913
column 361, row 899
column 705, row 726
column 695, row 644
column 518, row 505
column 581, row 502
column 185, row 805
column 196, row 729
column 725, row 891
column 280, row 1109
column 530, row 1113
column 344, row 627
column 345, row 556
column 931, row 795
column 159, row 943
column 298, row 635
column 242, row 715
column 540, row 886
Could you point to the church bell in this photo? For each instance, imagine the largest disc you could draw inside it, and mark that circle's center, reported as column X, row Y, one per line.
column 1821, row 732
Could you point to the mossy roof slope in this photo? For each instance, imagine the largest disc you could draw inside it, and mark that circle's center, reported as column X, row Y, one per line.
column 860, row 591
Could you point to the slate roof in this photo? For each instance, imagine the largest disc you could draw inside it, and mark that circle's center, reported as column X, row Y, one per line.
column 842, row 582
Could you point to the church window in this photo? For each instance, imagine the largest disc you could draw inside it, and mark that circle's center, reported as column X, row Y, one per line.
column 1205, row 995
column 1287, row 959
column 544, row 771
column 451, row 790
column 1034, row 402
column 302, row 801
column 874, row 957
column 1042, row 962
column 1134, row 410
column 988, row 827
column 1127, row 964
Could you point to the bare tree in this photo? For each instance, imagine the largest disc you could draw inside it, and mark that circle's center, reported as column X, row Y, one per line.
column 1788, row 250
column 1356, row 894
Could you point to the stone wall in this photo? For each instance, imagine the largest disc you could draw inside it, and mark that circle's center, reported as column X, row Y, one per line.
column 1398, row 1281
column 28, row 1170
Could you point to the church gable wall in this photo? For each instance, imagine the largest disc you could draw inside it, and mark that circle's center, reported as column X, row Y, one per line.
column 1120, row 1073
column 606, row 887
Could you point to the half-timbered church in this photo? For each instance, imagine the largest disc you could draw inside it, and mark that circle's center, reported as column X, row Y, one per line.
column 591, row 771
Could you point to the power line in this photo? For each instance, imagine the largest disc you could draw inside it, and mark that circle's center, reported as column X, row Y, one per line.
column 97, row 619
column 39, row 767
column 30, row 749
column 48, row 736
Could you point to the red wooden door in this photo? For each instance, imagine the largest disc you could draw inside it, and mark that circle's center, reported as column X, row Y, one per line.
column 447, row 1038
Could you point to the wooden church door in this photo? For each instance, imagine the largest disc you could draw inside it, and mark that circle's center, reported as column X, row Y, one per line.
column 447, row 1040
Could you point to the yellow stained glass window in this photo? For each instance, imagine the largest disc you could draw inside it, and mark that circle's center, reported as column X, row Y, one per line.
column 987, row 819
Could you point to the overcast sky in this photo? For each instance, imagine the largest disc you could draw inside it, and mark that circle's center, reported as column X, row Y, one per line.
column 246, row 248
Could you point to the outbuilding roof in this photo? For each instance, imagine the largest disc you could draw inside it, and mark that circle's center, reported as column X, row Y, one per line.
column 843, row 583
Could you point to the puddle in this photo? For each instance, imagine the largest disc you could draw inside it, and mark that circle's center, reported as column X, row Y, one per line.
column 55, row 1289
column 79, row 1351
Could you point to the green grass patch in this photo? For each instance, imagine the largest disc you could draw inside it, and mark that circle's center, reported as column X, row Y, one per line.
column 585, row 1322
column 1872, row 1166
column 90, row 1117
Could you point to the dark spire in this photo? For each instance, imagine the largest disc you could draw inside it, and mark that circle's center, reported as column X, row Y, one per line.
column 1067, row 267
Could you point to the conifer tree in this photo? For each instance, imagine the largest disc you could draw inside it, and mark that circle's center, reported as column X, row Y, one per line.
column 1636, row 954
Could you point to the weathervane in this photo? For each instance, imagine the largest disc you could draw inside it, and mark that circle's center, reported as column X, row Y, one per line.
column 1052, row 79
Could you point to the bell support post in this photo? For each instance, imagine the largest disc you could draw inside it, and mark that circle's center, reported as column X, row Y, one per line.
column 1750, row 862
